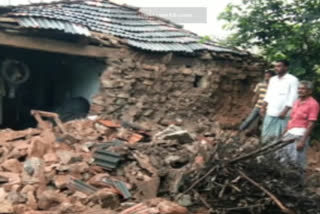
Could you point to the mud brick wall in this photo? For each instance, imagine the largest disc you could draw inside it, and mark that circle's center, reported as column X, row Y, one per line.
column 169, row 88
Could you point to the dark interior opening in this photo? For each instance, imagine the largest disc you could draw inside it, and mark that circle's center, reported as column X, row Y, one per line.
column 58, row 83
column 197, row 81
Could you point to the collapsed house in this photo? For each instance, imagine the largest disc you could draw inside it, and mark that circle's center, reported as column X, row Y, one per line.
column 74, row 55
column 127, row 64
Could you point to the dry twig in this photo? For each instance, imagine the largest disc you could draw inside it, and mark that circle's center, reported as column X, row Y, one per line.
column 283, row 208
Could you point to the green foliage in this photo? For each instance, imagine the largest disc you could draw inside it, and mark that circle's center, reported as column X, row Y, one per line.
column 280, row 29
column 205, row 39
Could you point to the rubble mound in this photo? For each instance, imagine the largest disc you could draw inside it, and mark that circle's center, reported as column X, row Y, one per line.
column 99, row 166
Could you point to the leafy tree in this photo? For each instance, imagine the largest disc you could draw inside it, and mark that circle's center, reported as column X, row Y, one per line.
column 281, row 29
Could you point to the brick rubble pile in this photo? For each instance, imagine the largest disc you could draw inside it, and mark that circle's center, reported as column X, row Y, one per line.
column 107, row 166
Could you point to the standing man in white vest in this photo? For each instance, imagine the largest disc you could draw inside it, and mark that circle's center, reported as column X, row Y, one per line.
column 281, row 94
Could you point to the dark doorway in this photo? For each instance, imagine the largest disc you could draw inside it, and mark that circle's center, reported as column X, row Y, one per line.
column 56, row 82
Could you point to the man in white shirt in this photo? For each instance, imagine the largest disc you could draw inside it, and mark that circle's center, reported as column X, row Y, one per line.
column 281, row 94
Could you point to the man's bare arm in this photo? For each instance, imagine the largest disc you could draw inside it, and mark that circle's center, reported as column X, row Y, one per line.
column 284, row 112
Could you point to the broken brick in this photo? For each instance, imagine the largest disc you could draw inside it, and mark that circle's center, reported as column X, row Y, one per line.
column 134, row 138
column 21, row 208
column 65, row 156
column 51, row 157
column 97, row 180
column 78, row 168
column 13, row 178
column 6, row 207
column 41, row 212
column 12, row 165
column 38, row 147
column 61, row 181
column 167, row 207
column 199, row 160
column 110, row 124
column 135, row 209
column 49, row 199
column 29, row 193
column 156, row 205
column 106, row 198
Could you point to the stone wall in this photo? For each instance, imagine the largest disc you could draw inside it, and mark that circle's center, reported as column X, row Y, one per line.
column 171, row 88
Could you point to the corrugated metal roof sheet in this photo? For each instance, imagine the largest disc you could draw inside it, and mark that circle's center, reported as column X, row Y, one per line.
column 140, row 30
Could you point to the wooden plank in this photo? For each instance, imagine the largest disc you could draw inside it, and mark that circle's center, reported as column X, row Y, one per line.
column 8, row 20
column 55, row 46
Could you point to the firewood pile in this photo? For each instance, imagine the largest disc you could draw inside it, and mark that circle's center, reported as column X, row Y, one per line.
column 251, row 182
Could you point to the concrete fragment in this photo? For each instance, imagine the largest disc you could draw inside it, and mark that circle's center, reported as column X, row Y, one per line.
column 175, row 133
column 124, row 134
column 33, row 171
column 65, row 156
column 184, row 200
column 182, row 136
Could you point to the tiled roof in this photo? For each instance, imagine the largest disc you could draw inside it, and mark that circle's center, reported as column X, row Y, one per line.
column 139, row 30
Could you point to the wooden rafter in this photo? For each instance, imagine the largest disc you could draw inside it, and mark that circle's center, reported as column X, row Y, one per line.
column 55, row 46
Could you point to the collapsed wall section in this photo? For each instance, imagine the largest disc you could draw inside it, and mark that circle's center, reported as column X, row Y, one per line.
column 193, row 91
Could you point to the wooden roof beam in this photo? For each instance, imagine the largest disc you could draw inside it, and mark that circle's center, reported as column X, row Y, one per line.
column 55, row 46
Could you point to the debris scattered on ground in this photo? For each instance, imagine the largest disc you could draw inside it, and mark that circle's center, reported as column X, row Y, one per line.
column 119, row 167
